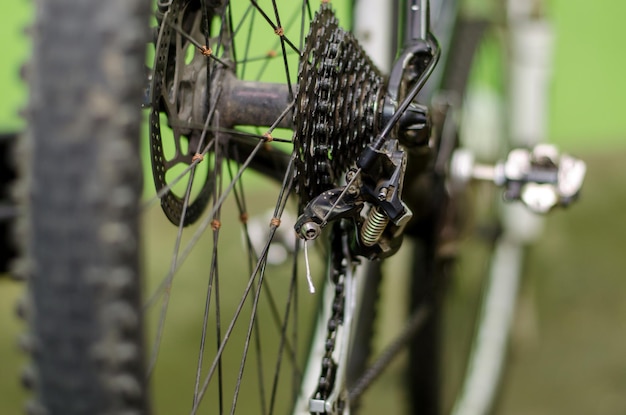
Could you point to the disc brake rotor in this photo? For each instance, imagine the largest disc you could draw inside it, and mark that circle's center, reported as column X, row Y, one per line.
column 177, row 92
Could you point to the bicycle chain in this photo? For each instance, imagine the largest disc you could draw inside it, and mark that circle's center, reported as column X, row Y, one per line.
column 340, row 92
column 329, row 367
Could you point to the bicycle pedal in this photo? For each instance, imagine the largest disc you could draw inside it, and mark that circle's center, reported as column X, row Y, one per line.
column 541, row 178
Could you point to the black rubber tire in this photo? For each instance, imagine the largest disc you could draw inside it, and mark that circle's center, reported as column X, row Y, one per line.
column 430, row 270
column 80, row 235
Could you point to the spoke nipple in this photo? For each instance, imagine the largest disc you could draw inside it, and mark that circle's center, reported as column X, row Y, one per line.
column 206, row 51
column 268, row 137
column 215, row 225
column 197, row 157
column 272, row 54
column 279, row 31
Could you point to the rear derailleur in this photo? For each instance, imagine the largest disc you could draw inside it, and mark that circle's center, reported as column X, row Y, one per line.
column 370, row 201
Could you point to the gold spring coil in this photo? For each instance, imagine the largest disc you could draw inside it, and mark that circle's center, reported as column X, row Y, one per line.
column 374, row 226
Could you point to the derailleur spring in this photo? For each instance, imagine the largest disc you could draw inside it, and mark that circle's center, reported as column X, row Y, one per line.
column 374, row 226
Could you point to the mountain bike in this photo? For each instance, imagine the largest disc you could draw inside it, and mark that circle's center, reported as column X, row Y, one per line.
column 257, row 109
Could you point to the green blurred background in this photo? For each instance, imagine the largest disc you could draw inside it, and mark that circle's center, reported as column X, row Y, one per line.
column 569, row 349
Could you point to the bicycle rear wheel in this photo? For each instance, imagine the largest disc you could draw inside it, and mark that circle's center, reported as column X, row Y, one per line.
column 247, row 312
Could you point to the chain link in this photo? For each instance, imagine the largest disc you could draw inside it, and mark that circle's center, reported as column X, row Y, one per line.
column 329, row 367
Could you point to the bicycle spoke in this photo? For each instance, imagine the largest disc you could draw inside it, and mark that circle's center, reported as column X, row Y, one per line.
column 163, row 191
column 207, row 221
column 240, row 200
column 306, row 6
column 168, row 286
column 296, row 374
column 252, row 320
column 277, row 29
column 218, row 314
column 285, row 53
column 226, row 30
column 204, row 49
column 218, row 340
column 258, row 271
column 213, row 278
column 238, row 310
column 235, row 133
column 244, row 62
column 273, row 308
column 283, row 341
column 263, row 310
column 267, row 56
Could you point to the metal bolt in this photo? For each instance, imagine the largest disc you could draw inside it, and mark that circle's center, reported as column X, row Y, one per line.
column 350, row 175
column 310, row 230
column 382, row 195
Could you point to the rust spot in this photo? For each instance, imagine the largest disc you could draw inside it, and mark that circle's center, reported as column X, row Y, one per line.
column 215, row 224
column 279, row 31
